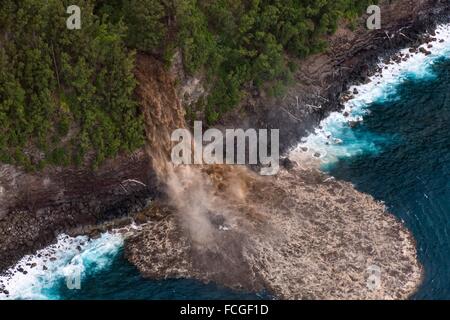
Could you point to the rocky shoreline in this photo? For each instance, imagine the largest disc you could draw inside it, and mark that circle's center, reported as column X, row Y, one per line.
column 35, row 208
column 166, row 248
column 322, row 80
column 299, row 235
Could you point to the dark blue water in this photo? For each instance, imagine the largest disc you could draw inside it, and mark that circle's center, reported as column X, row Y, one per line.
column 400, row 154
column 411, row 170
column 121, row 280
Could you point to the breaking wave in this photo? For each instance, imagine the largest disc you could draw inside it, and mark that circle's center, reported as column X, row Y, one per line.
column 39, row 276
column 336, row 137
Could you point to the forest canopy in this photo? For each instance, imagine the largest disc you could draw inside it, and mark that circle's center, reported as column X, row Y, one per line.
column 67, row 96
column 64, row 93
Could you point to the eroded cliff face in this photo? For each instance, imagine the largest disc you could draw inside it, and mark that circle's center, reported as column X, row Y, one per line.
column 298, row 235
column 351, row 57
column 162, row 110
column 35, row 207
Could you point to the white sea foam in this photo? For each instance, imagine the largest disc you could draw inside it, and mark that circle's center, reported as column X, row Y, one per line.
column 38, row 276
column 335, row 139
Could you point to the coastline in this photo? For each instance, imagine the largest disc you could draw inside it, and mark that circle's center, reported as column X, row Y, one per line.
column 389, row 72
column 136, row 247
column 312, row 238
column 324, row 143
column 27, row 247
column 322, row 80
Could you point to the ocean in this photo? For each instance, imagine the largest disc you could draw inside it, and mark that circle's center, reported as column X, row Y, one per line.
column 392, row 141
column 397, row 149
column 80, row 268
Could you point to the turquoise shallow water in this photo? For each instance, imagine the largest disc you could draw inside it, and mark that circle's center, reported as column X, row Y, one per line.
column 402, row 158
column 410, row 171
column 122, row 281
column 393, row 142
column 79, row 268
column 399, row 152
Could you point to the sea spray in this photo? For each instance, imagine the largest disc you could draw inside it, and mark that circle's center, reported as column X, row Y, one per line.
column 228, row 225
column 335, row 138
column 411, row 173
column 255, row 233
column 295, row 235
column 38, row 276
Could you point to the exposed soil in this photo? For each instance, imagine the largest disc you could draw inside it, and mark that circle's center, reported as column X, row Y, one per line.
column 299, row 235
column 330, row 252
column 323, row 78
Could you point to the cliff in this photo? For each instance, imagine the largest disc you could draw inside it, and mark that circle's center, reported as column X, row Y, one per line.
column 35, row 207
column 351, row 57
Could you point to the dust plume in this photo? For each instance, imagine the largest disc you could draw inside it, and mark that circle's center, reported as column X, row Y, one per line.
column 298, row 235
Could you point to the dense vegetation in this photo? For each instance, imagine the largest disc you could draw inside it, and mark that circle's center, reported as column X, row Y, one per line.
column 244, row 42
column 66, row 96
